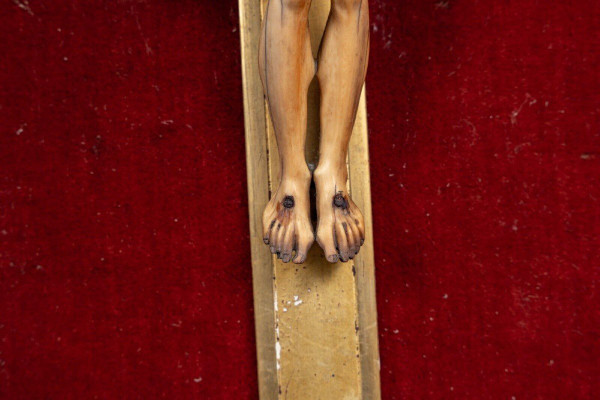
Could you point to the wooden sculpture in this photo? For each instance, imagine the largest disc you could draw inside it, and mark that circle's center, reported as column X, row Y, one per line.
column 287, row 68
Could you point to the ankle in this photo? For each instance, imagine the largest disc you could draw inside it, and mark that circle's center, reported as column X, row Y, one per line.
column 298, row 174
column 336, row 174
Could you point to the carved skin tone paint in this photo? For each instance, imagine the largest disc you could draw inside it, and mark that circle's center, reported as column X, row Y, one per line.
column 287, row 67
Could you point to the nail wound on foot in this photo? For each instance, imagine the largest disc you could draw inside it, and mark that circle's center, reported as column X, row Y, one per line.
column 339, row 201
column 288, row 202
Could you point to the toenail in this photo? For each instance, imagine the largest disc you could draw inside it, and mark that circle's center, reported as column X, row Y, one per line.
column 339, row 201
column 332, row 258
column 288, row 202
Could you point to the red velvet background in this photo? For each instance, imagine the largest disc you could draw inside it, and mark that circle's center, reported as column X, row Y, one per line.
column 124, row 253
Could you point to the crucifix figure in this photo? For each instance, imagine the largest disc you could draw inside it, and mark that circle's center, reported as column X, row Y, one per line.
column 287, row 68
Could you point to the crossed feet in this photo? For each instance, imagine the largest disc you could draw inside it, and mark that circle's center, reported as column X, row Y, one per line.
column 286, row 220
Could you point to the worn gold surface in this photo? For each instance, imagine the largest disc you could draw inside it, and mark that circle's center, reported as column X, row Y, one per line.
column 316, row 324
column 258, row 195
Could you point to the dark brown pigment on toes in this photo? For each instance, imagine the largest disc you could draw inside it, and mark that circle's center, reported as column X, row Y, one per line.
column 288, row 202
column 339, row 201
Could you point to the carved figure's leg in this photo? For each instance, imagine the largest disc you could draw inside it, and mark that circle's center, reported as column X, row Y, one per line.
column 287, row 68
column 342, row 65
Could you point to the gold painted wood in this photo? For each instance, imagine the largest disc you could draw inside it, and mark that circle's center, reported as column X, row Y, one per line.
column 258, row 194
column 316, row 323
column 364, row 262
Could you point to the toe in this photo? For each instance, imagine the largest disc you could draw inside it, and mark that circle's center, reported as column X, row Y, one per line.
column 304, row 240
column 358, row 220
column 269, row 219
column 355, row 234
column 325, row 240
column 352, row 241
column 342, row 240
column 268, row 224
column 333, row 258
column 273, row 246
column 360, row 225
column 287, row 244
column 274, row 237
column 280, row 236
column 300, row 257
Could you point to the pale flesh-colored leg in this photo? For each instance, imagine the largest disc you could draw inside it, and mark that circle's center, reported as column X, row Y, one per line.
column 287, row 68
column 342, row 68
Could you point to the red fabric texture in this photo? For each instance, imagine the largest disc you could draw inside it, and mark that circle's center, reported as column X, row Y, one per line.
column 125, row 267
column 124, row 252
column 485, row 156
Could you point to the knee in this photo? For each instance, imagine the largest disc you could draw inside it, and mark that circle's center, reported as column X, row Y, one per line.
column 295, row 5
